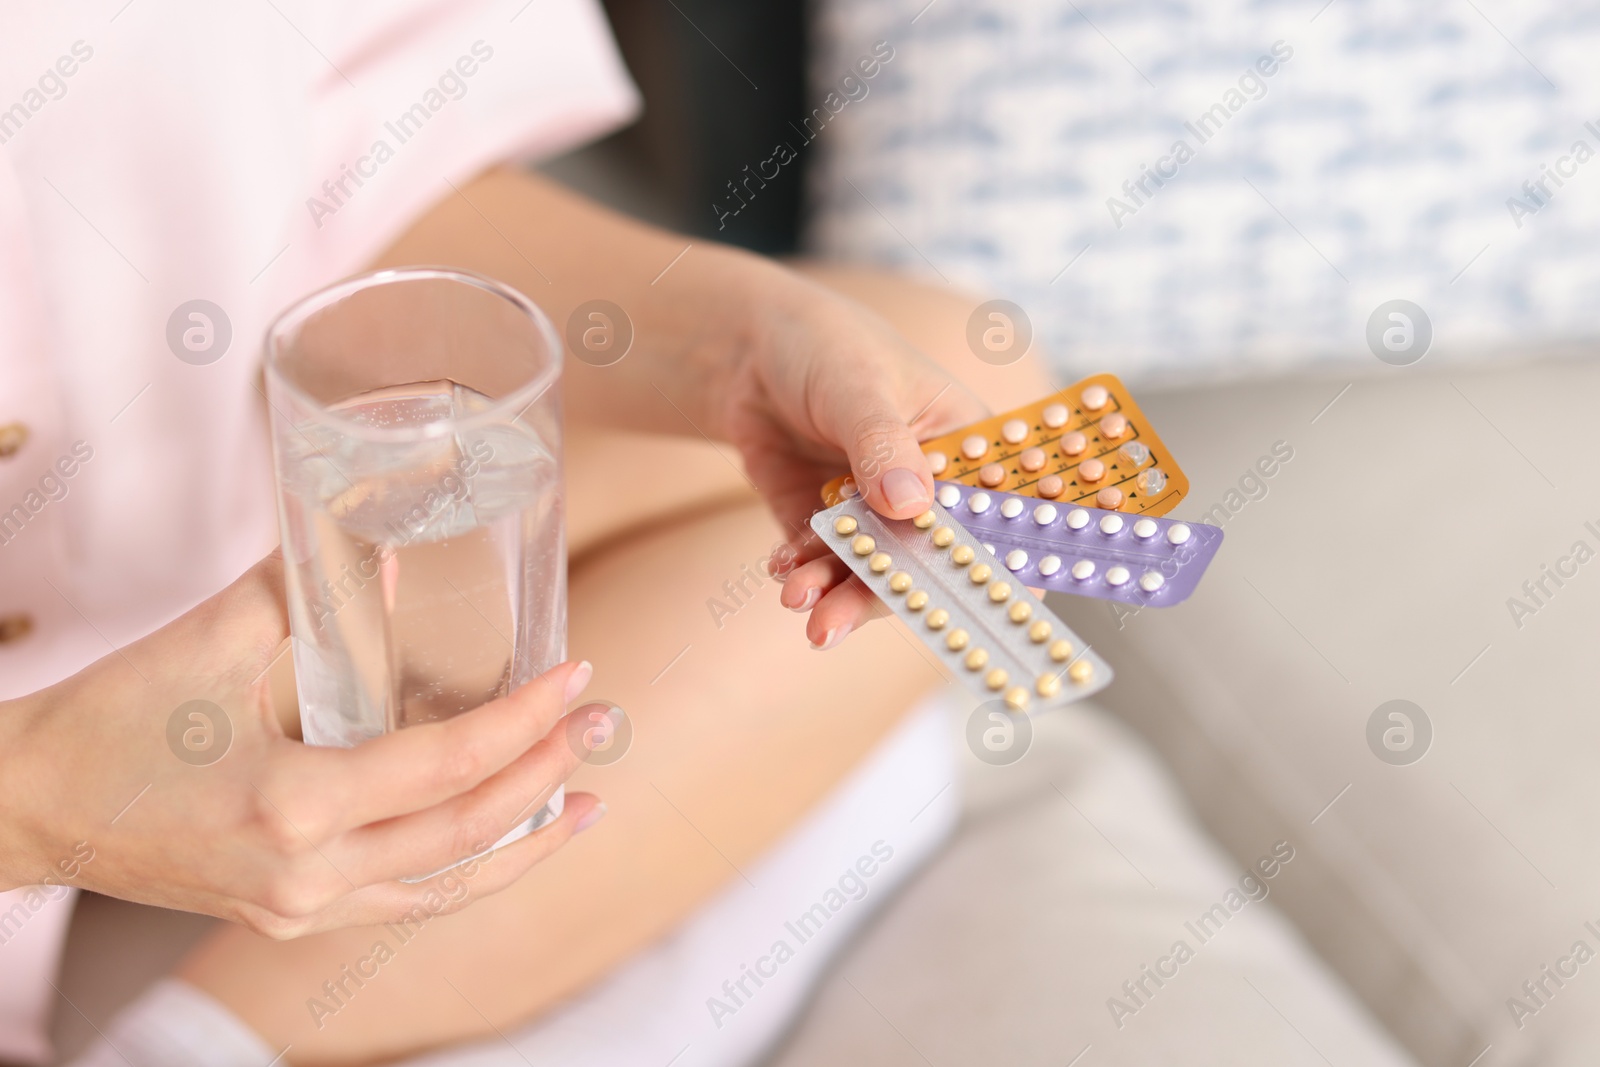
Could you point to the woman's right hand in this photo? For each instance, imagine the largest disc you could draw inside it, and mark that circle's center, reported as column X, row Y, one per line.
column 283, row 837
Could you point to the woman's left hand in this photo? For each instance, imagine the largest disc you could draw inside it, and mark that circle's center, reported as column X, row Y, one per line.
column 827, row 383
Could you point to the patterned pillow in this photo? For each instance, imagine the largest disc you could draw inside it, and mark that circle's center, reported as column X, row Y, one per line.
column 1202, row 188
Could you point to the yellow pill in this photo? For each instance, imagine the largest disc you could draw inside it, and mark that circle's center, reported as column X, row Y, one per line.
column 863, row 545
column 1061, row 650
column 1016, row 698
column 1000, row 592
column 997, row 678
column 845, row 525
column 1081, row 671
column 962, row 555
column 1039, row 632
column 916, row 600
column 944, row 537
column 957, row 640
column 1021, row 611
column 899, row 581
column 925, row 520
column 976, row 659
column 937, row 618
column 879, row 562
column 980, row 573
column 1048, row 685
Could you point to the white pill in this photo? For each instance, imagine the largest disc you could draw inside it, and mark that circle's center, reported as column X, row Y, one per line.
column 1049, row 565
column 937, row 462
column 1016, row 559
column 1083, row 569
column 1145, row 529
column 1013, row 432
column 1117, row 576
column 1054, row 416
column 1150, row 581
column 949, row 496
column 987, row 547
column 1077, row 519
column 1045, row 514
column 1095, row 397
column 978, row 503
column 1011, row 508
column 1134, row 453
column 848, row 489
column 1178, row 533
column 973, row 447
column 1152, row 481
column 1110, row 524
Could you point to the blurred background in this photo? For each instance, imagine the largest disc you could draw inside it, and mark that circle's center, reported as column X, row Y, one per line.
column 705, row 119
column 1393, row 152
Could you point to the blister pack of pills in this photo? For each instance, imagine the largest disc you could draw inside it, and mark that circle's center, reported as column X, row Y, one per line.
column 981, row 622
column 1087, row 551
column 1086, row 444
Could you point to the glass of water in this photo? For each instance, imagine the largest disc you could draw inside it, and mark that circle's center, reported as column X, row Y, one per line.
column 416, row 427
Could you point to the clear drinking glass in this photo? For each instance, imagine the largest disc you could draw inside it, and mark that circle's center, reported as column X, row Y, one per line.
column 416, row 426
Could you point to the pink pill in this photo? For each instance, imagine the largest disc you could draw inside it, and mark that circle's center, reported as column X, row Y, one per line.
column 992, row 474
column 1032, row 459
column 1095, row 397
column 937, row 462
column 1073, row 443
column 974, row 447
column 1109, row 498
column 1054, row 416
column 1014, row 431
column 1091, row 470
column 1051, row 486
column 1113, row 426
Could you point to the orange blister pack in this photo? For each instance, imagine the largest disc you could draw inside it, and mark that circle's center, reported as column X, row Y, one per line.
column 1086, row 444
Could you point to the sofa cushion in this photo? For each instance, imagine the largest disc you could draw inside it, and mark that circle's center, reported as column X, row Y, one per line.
column 1042, row 934
column 1408, row 550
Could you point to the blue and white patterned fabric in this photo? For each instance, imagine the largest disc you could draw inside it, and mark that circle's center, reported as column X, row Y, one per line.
column 1394, row 151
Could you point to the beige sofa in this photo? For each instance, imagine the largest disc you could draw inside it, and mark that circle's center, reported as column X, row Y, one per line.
column 1456, row 895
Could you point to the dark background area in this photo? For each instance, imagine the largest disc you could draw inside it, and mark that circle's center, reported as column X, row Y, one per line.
column 722, row 81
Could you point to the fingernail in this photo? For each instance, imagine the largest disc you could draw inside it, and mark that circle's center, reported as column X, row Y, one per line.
column 590, row 817
column 831, row 638
column 578, row 679
column 903, row 489
column 809, row 601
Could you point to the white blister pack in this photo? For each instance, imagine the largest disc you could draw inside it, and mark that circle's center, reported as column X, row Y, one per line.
column 951, row 592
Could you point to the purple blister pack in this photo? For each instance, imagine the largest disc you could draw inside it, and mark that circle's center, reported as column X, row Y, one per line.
column 1068, row 548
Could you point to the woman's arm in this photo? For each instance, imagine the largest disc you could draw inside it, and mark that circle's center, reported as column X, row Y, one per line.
column 726, row 344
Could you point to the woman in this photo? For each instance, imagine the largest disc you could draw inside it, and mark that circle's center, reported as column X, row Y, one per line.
column 164, row 154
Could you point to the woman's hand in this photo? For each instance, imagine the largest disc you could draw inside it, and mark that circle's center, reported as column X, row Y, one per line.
column 826, row 383
column 283, row 837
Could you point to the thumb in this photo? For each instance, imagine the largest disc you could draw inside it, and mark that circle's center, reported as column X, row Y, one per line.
column 885, row 458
